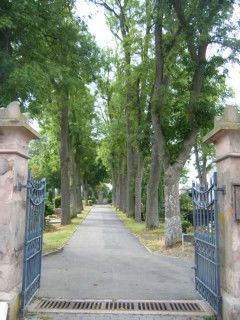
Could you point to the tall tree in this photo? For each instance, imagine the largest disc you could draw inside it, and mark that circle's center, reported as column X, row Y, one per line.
column 53, row 54
column 172, row 143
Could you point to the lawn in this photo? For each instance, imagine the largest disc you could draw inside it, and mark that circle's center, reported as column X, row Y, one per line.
column 56, row 236
column 154, row 239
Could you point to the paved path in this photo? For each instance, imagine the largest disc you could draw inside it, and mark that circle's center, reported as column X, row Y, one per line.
column 104, row 260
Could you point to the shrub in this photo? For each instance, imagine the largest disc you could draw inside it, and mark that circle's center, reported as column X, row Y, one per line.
column 90, row 202
column 185, row 225
column 49, row 208
column 109, row 197
column 57, row 202
column 50, row 195
column 189, row 229
column 186, row 208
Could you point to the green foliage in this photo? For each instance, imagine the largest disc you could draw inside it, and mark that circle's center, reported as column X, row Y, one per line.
column 204, row 155
column 213, row 317
column 185, row 225
column 45, row 160
column 90, row 202
column 49, row 208
column 186, row 208
column 184, row 176
column 49, row 205
column 48, row 58
column 57, row 202
column 109, row 197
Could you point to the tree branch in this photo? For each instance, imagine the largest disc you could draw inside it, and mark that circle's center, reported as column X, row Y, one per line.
column 197, row 161
column 177, row 4
column 184, row 153
column 172, row 43
column 106, row 6
column 115, row 34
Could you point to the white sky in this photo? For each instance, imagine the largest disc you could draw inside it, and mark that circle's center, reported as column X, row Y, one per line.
column 97, row 26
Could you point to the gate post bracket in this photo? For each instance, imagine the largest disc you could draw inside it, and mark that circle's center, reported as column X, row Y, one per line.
column 21, row 186
column 221, row 189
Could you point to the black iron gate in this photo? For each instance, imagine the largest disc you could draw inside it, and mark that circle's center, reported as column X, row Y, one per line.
column 206, row 239
column 35, row 206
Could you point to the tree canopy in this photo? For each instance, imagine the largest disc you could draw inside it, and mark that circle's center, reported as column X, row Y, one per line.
column 130, row 116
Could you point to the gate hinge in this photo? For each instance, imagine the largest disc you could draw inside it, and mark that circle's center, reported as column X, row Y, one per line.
column 21, row 186
column 221, row 189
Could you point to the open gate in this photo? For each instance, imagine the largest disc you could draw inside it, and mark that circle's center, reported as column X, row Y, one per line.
column 206, row 240
column 35, row 206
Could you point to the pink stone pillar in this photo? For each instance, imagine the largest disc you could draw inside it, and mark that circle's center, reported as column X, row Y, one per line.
column 226, row 137
column 15, row 134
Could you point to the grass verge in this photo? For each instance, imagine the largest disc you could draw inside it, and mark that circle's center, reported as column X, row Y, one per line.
column 154, row 239
column 56, row 237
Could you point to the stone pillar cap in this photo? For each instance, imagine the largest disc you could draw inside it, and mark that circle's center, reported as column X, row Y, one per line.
column 228, row 122
column 11, row 116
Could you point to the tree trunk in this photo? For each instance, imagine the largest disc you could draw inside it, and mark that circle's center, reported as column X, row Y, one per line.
column 152, row 217
column 118, row 190
column 130, row 170
column 138, row 187
column 73, row 184
column 161, row 201
column 85, row 192
column 201, row 167
column 123, row 187
column 204, row 172
column 124, row 193
column 173, row 228
column 79, row 191
column 65, row 163
column 114, row 187
column 158, row 141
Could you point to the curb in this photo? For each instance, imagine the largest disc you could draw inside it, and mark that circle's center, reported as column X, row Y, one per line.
column 134, row 235
column 143, row 245
column 62, row 247
column 53, row 252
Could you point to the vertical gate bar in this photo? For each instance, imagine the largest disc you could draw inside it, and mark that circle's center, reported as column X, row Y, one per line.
column 218, row 289
column 42, row 223
column 205, row 208
column 200, row 209
column 194, row 230
column 25, row 245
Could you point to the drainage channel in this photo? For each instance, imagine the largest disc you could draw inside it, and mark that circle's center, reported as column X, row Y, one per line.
column 188, row 307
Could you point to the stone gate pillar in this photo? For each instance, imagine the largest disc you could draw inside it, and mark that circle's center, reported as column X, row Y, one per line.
column 226, row 137
column 15, row 134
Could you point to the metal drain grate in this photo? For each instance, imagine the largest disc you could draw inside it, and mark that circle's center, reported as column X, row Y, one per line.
column 135, row 306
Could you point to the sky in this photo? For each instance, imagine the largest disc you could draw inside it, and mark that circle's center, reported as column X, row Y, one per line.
column 95, row 18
